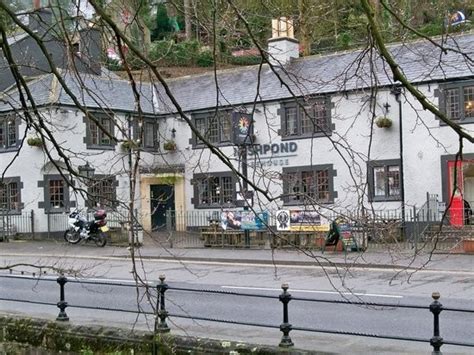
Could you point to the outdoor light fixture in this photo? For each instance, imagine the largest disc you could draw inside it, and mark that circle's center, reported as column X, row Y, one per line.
column 173, row 133
column 86, row 170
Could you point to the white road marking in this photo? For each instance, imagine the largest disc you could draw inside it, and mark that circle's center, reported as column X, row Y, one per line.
column 313, row 291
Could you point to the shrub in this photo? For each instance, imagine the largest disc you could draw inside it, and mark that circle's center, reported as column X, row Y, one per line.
column 185, row 53
column 205, row 59
column 113, row 64
column 160, row 50
column 245, row 60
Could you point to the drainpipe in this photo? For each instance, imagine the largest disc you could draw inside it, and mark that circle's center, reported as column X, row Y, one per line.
column 397, row 91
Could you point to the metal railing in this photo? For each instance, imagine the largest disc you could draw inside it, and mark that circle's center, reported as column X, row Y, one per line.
column 161, row 314
column 12, row 224
column 381, row 229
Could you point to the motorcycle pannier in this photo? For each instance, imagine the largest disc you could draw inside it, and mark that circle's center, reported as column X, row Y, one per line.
column 100, row 214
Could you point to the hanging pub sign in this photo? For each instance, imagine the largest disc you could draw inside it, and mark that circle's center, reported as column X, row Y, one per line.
column 242, row 125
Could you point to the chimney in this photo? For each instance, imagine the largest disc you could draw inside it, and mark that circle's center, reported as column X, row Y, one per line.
column 282, row 46
column 36, row 4
column 90, row 48
column 40, row 20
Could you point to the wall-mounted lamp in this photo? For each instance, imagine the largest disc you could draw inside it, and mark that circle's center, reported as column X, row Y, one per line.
column 86, row 171
column 173, row 133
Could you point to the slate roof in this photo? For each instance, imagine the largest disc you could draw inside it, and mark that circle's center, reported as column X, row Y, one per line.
column 338, row 72
column 91, row 91
column 421, row 62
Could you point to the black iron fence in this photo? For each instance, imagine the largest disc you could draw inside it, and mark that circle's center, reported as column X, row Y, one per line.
column 413, row 228
column 23, row 224
column 158, row 309
column 12, row 224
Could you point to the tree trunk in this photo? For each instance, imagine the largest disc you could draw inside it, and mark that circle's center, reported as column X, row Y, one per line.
column 187, row 20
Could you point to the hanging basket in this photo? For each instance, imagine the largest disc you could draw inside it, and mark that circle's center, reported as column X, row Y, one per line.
column 383, row 122
column 128, row 145
column 169, row 145
column 35, row 142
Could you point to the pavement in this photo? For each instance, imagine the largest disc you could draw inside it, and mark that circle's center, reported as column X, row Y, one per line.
column 151, row 249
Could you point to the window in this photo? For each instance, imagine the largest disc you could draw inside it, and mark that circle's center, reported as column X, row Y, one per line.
column 10, row 196
column 56, row 194
column 308, row 184
column 457, row 101
column 214, row 190
column 8, row 132
column 101, row 192
column 149, row 135
column 306, row 118
column 97, row 138
column 384, row 180
column 216, row 128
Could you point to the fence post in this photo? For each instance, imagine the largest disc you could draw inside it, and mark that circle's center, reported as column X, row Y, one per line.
column 62, row 304
column 436, row 307
column 285, row 327
column 33, row 224
column 161, row 326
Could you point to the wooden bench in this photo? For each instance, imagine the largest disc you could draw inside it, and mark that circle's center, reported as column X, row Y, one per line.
column 217, row 237
column 300, row 239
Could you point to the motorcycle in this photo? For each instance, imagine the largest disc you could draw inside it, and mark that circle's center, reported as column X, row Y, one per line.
column 81, row 229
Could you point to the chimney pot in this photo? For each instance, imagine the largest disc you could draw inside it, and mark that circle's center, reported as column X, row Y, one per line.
column 282, row 46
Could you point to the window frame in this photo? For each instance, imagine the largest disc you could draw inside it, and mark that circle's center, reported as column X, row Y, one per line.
column 460, row 86
column 386, row 164
column 156, row 136
column 7, row 182
column 297, row 110
column 46, row 204
column 4, row 119
column 198, row 178
column 100, row 134
column 219, row 130
column 111, row 200
column 298, row 172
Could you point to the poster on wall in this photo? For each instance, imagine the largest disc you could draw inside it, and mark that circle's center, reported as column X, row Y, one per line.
column 308, row 221
column 283, row 220
column 300, row 220
column 244, row 220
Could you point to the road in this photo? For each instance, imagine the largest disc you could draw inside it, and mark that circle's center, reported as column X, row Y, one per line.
column 369, row 285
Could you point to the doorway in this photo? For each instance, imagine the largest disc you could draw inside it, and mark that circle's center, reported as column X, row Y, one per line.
column 461, row 181
column 162, row 199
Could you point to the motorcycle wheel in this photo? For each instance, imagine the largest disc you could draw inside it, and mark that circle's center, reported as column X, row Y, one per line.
column 100, row 239
column 71, row 236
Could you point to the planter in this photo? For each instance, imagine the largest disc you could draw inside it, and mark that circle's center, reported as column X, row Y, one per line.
column 468, row 245
column 35, row 142
column 169, row 145
column 383, row 122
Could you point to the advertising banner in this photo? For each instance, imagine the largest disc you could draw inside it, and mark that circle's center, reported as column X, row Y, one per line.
column 300, row 220
column 244, row 220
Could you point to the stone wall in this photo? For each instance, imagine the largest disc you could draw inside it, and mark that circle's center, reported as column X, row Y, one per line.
column 20, row 335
